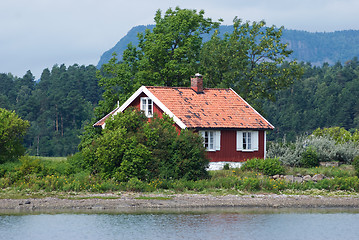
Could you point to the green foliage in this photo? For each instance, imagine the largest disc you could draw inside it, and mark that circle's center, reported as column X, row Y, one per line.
column 34, row 176
column 131, row 146
column 226, row 166
column 167, row 55
column 309, row 158
column 338, row 134
column 12, row 130
column 356, row 165
column 269, row 166
column 330, row 172
column 313, row 47
column 57, row 106
column 29, row 165
column 326, row 150
column 325, row 96
column 251, row 60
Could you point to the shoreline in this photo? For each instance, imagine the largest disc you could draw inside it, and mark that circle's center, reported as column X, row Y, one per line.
column 132, row 202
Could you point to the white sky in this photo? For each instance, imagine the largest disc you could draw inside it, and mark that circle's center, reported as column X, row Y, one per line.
column 36, row 34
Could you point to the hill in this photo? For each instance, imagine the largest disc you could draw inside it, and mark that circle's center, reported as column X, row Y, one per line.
column 315, row 48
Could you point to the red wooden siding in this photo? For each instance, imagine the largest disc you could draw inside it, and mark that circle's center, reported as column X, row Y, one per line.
column 228, row 152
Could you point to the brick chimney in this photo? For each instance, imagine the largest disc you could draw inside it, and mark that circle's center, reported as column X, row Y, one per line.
column 197, row 83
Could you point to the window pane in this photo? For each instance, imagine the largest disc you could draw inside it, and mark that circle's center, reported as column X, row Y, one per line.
column 249, row 141
column 143, row 106
column 211, row 142
column 149, row 102
column 244, row 140
column 206, row 140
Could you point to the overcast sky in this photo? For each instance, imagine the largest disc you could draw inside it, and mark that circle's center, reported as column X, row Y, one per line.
column 36, row 34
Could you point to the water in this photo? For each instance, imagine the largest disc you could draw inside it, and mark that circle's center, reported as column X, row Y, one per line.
column 240, row 224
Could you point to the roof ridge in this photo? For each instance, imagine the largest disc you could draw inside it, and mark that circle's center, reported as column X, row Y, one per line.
column 187, row 88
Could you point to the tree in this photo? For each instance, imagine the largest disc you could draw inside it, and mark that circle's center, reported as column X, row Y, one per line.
column 166, row 56
column 12, row 129
column 251, row 60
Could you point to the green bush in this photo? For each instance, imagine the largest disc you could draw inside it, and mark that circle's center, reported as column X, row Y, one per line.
column 269, row 166
column 272, row 166
column 326, row 148
column 356, row 165
column 131, row 146
column 29, row 165
column 309, row 158
column 226, row 166
column 255, row 164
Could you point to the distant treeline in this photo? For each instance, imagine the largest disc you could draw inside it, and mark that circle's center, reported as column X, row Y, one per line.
column 325, row 96
column 57, row 106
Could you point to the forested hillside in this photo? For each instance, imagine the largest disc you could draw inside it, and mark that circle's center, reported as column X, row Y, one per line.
column 57, row 106
column 316, row 48
column 325, row 96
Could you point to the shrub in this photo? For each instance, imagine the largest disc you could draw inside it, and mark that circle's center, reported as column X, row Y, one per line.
column 269, row 166
column 326, row 149
column 131, row 146
column 29, row 165
column 309, row 158
column 254, row 164
column 226, row 166
column 272, row 166
column 338, row 134
column 356, row 165
column 288, row 153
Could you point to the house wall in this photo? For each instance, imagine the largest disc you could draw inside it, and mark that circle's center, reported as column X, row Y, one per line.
column 228, row 152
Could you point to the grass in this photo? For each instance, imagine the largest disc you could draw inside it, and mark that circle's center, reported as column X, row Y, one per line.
column 53, row 159
column 43, row 177
column 341, row 171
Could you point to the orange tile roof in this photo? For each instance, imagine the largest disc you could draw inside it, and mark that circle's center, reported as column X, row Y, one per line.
column 214, row 108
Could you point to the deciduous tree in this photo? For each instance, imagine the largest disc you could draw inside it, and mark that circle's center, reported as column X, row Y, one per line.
column 12, row 130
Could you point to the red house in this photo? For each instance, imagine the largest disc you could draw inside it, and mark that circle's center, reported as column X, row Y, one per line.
column 232, row 130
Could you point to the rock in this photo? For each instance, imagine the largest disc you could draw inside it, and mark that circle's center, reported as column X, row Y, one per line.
column 329, row 164
column 27, row 202
column 276, row 176
column 289, row 178
column 298, row 179
column 318, row 177
column 307, row 178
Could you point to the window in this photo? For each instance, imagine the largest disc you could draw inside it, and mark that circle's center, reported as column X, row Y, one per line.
column 147, row 106
column 247, row 140
column 211, row 140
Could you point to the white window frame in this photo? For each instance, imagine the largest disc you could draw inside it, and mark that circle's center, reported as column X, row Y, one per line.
column 146, row 105
column 247, row 141
column 211, row 140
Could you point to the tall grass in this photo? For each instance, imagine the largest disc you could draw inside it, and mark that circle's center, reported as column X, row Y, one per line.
column 33, row 175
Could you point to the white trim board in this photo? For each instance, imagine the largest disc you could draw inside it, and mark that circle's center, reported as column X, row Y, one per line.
column 148, row 93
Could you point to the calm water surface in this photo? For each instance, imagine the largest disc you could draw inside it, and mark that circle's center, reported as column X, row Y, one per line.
column 189, row 225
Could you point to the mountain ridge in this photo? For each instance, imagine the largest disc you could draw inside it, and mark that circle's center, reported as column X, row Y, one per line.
column 313, row 47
